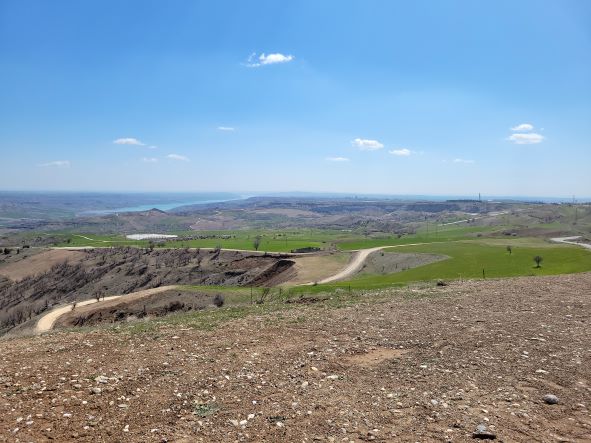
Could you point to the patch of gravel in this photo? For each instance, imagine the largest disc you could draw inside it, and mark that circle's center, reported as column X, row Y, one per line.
column 383, row 262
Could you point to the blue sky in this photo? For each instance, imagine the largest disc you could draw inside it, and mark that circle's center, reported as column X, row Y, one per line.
column 390, row 97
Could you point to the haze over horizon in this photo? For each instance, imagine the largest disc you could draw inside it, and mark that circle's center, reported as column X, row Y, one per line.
column 380, row 97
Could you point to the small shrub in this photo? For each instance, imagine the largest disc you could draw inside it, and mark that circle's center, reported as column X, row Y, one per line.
column 219, row 300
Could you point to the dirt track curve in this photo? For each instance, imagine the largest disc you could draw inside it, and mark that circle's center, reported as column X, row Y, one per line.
column 47, row 322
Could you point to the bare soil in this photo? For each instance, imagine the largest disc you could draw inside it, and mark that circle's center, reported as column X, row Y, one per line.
column 30, row 262
column 316, row 267
column 399, row 365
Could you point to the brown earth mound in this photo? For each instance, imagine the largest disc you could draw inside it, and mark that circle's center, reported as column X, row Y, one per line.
column 33, row 262
column 423, row 365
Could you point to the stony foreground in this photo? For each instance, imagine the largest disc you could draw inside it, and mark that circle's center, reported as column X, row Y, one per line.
column 424, row 365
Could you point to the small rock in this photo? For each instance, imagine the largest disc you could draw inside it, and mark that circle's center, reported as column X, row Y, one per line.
column 101, row 379
column 482, row 433
column 96, row 390
column 550, row 399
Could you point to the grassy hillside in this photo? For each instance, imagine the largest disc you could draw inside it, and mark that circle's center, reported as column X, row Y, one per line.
column 467, row 259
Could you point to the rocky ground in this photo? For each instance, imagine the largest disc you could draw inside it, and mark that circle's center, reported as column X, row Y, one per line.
column 422, row 365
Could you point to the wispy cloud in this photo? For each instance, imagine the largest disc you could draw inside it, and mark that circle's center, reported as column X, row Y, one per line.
column 128, row 141
column 402, row 152
column 463, row 160
column 226, row 128
column 152, row 147
column 56, row 164
column 523, row 127
column 524, row 135
column 150, row 160
column 530, row 138
column 254, row 60
column 178, row 157
column 367, row 145
column 337, row 159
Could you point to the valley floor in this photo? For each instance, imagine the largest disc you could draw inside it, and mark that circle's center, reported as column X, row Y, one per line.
column 394, row 365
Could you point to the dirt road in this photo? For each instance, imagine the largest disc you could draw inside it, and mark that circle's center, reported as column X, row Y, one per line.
column 47, row 322
column 357, row 262
column 570, row 241
column 354, row 265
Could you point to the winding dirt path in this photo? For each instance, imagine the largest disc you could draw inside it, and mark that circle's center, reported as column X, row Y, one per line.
column 570, row 241
column 357, row 262
column 47, row 322
column 353, row 266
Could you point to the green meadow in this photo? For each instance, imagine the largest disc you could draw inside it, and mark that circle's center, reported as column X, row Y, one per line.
column 282, row 241
column 468, row 260
column 270, row 241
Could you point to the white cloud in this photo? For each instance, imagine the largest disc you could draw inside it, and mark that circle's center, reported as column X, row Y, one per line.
column 402, row 152
column 367, row 145
column 337, row 159
column 152, row 147
column 56, row 164
column 526, row 139
column 226, row 128
column 462, row 160
column 178, row 157
column 150, row 160
column 128, row 141
column 523, row 127
column 255, row 61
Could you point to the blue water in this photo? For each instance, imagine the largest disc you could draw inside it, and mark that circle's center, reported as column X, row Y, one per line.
column 163, row 206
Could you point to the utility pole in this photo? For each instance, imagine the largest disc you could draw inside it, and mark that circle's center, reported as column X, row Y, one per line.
column 576, row 209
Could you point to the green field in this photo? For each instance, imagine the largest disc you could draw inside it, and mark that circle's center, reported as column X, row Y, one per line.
column 270, row 241
column 444, row 234
column 282, row 241
column 467, row 259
